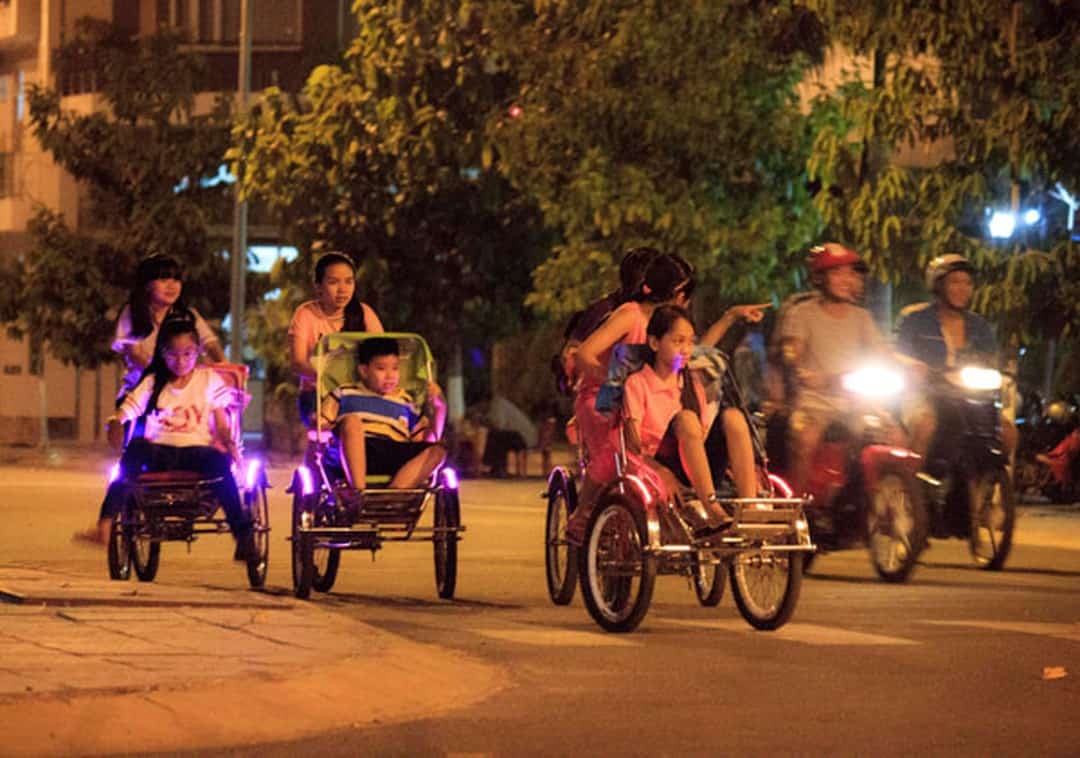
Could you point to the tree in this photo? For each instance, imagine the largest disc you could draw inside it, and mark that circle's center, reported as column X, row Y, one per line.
column 383, row 157
column 987, row 92
column 672, row 124
column 140, row 159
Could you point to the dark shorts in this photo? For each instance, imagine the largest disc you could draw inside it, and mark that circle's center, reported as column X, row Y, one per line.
column 386, row 457
column 715, row 451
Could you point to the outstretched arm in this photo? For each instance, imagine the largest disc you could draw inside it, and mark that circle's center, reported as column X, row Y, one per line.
column 751, row 313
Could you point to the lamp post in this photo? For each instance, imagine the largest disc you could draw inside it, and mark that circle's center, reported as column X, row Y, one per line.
column 238, row 258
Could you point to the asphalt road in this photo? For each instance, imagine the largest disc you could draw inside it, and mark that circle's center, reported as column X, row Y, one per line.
column 952, row 662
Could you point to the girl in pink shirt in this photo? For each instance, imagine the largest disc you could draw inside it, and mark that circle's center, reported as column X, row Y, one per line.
column 336, row 308
column 663, row 410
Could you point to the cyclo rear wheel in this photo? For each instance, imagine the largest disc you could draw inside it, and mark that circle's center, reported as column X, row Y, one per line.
column 618, row 573
column 993, row 517
column 766, row 586
column 447, row 517
column 258, row 508
column 560, row 557
column 318, row 568
column 709, row 580
column 119, row 550
column 896, row 524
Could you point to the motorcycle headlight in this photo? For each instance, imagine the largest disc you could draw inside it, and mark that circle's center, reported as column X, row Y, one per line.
column 977, row 378
column 873, row 381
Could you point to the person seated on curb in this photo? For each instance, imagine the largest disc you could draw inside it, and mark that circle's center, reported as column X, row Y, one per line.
column 379, row 428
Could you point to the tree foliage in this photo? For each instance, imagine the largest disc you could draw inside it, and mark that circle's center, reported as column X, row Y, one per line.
column 382, row 157
column 673, row 124
column 130, row 157
column 989, row 90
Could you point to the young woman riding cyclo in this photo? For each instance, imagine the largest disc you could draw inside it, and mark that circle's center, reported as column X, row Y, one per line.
column 336, row 308
column 668, row 280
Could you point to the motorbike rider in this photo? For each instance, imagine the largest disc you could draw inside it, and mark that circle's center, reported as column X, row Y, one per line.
column 935, row 334
column 823, row 337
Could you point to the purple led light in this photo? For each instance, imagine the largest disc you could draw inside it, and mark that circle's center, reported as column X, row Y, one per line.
column 253, row 468
column 450, row 478
column 307, row 484
column 114, row 473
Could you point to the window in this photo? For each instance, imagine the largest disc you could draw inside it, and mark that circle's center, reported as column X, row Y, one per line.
column 217, row 22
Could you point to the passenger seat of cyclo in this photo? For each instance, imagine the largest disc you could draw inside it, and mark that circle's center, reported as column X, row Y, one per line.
column 379, row 426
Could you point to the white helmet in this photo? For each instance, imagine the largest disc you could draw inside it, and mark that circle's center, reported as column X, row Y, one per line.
column 942, row 266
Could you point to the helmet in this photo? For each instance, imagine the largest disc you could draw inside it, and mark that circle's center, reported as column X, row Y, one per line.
column 1059, row 412
column 942, row 266
column 833, row 255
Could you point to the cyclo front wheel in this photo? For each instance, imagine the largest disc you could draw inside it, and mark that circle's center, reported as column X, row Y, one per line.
column 119, row 550
column 618, row 572
column 993, row 517
column 323, row 568
column 560, row 557
column 896, row 524
column 709, row 579
column 145, row 552
column 257, row 507
column 766, row 586
column 445, row 539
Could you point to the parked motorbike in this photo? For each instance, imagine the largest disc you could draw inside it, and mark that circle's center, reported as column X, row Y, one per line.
column 864, row 487
column 968, row 484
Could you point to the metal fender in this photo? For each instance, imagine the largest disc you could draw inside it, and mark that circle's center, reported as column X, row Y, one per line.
column 562, row 474
column 642, row 487
column 874, row 457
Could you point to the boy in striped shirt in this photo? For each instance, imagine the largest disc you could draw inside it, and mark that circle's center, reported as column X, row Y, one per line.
column 380, row 428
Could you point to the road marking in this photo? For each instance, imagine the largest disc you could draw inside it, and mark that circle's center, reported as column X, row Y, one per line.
column 1058, row 631
column 557, row 637
column 809, row 634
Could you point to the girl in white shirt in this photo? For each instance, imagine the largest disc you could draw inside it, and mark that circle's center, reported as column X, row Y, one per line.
column 183, row 406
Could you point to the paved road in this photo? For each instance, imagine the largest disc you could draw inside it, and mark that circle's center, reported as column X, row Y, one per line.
column 952, row 662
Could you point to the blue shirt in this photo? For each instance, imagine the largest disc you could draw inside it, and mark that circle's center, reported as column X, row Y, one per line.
column 919, row 335
column 392, row 416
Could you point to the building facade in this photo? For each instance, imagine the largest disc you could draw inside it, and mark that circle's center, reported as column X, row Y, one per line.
column 40, row 398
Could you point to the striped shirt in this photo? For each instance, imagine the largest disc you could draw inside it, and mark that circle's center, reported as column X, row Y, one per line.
column 393, row 416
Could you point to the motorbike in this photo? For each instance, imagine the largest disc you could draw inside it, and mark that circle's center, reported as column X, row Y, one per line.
column 1048, row 454
column 966, row 473
column 863, row 486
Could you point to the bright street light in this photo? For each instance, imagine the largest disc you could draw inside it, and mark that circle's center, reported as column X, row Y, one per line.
column 1002, row 224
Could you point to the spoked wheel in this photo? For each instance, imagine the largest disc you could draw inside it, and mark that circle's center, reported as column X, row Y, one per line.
column 709, row 579
column 993, row 516
column 445, row 539
column 560, row 557
column 896, row 524
column 318, row 569
column 766, row 586
column 618, row 574
column 119, row 550
column 145, row 552
column 259, row 509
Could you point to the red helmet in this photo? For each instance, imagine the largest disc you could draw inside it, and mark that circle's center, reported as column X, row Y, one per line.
column 832, row 255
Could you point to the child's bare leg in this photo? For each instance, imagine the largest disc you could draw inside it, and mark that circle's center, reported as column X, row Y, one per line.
column 418, row 468
column 691, row 437
column 353, row 454
column 740, row 452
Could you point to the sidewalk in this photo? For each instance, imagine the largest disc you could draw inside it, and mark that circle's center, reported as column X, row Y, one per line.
column 93, row 666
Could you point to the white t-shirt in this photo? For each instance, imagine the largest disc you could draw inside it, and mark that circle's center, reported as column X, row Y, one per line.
column 142, row 348
column 184, row 416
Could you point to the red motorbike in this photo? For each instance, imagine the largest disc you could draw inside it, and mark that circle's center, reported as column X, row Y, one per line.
column 863, row 485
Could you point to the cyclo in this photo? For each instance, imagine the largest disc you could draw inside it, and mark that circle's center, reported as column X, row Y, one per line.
column 321, row 527
column 177, row 506
column 637, row 531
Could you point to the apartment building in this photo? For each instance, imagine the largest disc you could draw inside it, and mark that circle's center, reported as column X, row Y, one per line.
column 40, row 398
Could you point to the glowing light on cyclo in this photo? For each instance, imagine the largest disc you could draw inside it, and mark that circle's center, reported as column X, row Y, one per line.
column 450, row 478
column 252, row 477
column 307, row 483
column 114, row 473
column 781, row 486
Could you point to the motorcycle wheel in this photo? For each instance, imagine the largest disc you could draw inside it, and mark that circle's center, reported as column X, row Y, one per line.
column 618, row 575
column 560, row 557
column 993, row 516
column 896, row 524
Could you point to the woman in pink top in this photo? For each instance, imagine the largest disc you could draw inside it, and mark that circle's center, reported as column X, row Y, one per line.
column 663, row 413
column 336, row 308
